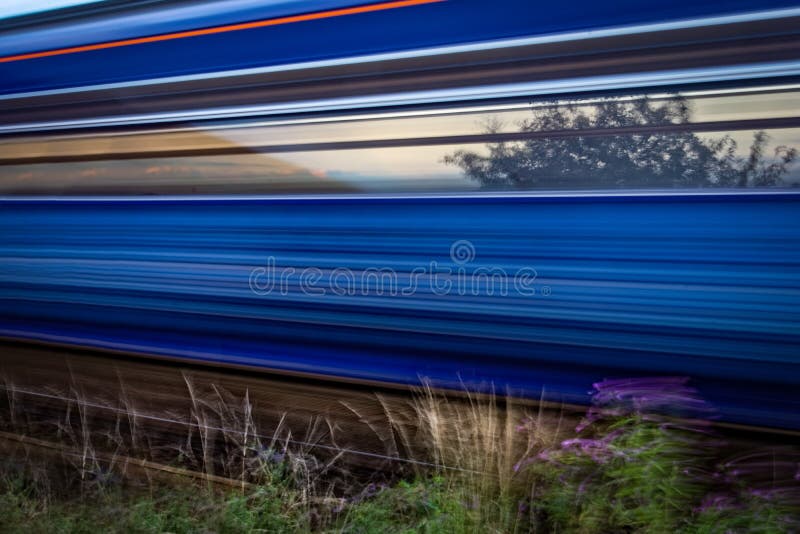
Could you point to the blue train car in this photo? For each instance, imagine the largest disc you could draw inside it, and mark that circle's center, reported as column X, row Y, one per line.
column 531, row 198
column 141, row 41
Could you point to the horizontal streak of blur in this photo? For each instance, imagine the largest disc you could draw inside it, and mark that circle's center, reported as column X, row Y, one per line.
column 164, row 147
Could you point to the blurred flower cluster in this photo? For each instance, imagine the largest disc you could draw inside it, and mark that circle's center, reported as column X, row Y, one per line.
column 646, row 459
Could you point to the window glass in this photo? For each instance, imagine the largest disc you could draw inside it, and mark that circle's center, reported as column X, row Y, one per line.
column 736, row 138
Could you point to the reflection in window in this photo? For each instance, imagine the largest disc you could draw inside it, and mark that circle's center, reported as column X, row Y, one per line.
column 656, row 156
column 734, row 138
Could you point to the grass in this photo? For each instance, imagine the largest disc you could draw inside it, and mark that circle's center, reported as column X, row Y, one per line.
column 642, row 459
column 173, row 510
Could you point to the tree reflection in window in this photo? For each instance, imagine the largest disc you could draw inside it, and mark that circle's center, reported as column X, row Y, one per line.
column 585, row 153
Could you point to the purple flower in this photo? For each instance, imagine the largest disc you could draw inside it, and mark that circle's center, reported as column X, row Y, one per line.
column 339, row 508
column 371, row 489
column 582, row 486
column 716, row 502
column 525, row 424
column 524, row 462
column 761, row 493
column 648, row 394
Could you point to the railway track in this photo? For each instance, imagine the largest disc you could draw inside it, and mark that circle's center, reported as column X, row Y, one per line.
column 164, row 418
column 160, row 412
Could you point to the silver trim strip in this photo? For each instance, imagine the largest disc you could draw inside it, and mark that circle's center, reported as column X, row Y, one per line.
column 474, row 93
column 499, row 195
column 441, row 50
column 398, row 114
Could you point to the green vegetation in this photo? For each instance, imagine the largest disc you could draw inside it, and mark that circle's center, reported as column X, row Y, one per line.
column 642, row 459
column 185, row 510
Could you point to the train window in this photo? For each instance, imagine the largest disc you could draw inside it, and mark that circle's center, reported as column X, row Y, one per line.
column 733, row 138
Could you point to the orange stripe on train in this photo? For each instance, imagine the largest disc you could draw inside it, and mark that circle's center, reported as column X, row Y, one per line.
column 222, row 29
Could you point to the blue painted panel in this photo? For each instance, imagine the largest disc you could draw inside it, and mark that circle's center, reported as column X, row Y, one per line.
column 704, row 286
column 444, row 23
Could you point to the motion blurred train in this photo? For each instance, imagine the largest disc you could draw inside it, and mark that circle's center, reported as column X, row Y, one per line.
column 513, row 195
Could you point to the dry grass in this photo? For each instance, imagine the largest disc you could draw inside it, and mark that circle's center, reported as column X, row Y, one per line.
column 475, row 443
